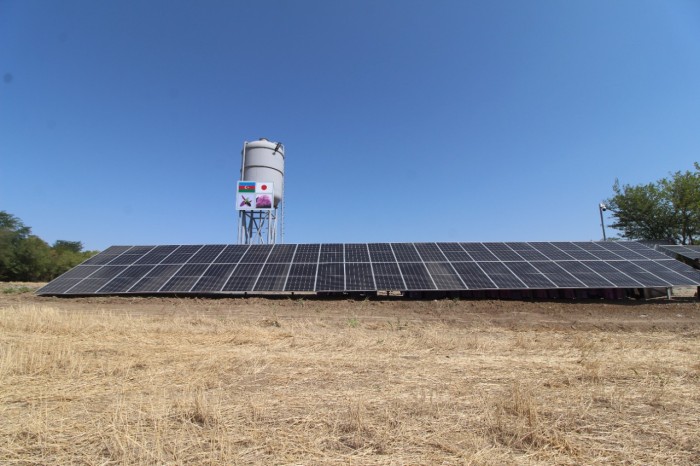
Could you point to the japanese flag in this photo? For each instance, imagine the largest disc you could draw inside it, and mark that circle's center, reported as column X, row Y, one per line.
column 263, row 188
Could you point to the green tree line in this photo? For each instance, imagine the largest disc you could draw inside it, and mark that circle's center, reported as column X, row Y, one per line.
column 667, row 209
column 27, row 258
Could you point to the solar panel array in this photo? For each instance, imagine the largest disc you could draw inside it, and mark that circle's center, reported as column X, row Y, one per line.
column 688, row 252
column 367, row 267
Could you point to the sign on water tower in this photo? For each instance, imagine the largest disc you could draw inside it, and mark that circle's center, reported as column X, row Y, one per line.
column 260, row 193
column 254, row 195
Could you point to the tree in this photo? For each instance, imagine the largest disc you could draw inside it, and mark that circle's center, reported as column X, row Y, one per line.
column 66, row 255
column 63, row 245
column 11, row 223
column 26, row 257
column 12, row 233
column 33, row 260
column 682, row 193
column 668, row 209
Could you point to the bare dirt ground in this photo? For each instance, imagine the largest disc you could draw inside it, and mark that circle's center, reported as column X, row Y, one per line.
column 679, row 314
column 318, row 381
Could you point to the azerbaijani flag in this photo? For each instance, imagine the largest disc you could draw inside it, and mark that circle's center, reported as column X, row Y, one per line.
column 246, row 186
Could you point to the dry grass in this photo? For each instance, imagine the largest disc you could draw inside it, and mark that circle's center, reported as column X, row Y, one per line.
column 95, row 388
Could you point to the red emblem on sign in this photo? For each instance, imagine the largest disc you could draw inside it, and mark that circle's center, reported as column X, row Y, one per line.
column 264, row 187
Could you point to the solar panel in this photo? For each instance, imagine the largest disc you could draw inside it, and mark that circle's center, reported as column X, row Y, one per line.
column 154, row 280
column 473, row 276
column 185, row 278
column 214, row 278
column 181, row 255
column 457, row 255
column 231, row 254
column 332, row 253
column 387, row 276
column 502, row 276
column 444, row 276
column 551, row 251
column 155, row 256
column 302, row 277
column 479, row 252
column 643, row 272
column 125, row 280
column 282, row 253
column 687, row 251
column 597, row 251
column 416, row 276
column 429, row 252
column 585, row 275
column 330, row 277
column 358, row 276
column 243, row 277
column 528, row 252
column 306, row 253
column 557, row 275
column 272, row 277
column 404, row 252
column 98, row 279
column 207, row 254
column 356, row 253
column 381, row 252
column 256, row 254
column 368, row 267
column 614, row 275
column 529, row 275
column 503, row 252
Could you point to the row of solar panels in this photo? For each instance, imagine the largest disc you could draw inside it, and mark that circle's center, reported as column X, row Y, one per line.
column 204, row 269
column 690, row 252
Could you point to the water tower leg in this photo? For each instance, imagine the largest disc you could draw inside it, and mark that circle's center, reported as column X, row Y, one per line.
column 257, row 227
column 269, row 227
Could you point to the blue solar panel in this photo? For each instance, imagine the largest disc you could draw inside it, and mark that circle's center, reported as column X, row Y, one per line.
column 473, row 276
column 273, row 277
column 302, row 277
column 214, row 278
column 358, row 277
column 368, row 267
column 688, row 252
column 331, row 276
column 387, row 276
column 416, row 276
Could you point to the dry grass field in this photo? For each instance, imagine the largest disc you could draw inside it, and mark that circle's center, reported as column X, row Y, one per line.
column 278, row 381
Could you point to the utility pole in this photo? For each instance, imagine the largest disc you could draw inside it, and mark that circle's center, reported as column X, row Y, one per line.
column 602, row 207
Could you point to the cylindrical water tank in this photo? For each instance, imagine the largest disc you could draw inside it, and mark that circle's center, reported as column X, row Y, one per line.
column 263, row 160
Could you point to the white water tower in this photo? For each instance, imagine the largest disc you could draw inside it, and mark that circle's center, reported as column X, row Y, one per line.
column 260, row 215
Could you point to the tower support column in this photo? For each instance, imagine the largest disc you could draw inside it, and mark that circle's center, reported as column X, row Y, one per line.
column 257, row 226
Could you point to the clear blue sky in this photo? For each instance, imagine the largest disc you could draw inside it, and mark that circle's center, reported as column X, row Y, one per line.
column 121, row 122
